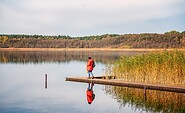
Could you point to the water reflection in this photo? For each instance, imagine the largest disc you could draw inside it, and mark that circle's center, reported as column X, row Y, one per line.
column 147, row 100
column 60, row 56
column 90, row 93
column 22, row 82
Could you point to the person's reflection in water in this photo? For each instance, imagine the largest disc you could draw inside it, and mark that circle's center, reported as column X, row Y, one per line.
column 90, row 94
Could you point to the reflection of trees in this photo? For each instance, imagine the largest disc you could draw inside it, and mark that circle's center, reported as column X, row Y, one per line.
column 151, row 101
column 59, row 56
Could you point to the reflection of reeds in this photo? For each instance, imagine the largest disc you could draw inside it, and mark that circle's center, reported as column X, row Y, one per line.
column 153, row 101
column 158, row 67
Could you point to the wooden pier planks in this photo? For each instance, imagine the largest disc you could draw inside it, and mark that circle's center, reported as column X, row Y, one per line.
column 114, row 82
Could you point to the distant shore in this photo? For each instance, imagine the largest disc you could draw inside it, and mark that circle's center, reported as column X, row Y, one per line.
column 85, row 49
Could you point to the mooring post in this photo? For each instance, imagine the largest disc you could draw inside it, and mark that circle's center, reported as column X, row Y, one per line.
column 46, row 81
column 145, row 94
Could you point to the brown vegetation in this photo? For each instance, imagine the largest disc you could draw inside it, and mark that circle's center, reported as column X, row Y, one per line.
column 152, row 40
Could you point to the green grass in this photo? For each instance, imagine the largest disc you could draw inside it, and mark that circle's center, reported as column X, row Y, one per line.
column 158, row 67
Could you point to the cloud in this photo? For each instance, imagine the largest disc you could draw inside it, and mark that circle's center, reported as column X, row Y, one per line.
column 84, row 17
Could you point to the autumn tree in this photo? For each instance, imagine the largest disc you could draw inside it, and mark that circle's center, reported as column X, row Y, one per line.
column 3, row 39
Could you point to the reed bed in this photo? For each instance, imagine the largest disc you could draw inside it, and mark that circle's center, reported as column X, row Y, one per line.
column 166, row 67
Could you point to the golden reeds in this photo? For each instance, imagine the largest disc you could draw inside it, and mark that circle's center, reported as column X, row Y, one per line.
column 158, row 67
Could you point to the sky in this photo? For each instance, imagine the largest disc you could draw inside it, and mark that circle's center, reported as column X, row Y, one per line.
column 91, row 17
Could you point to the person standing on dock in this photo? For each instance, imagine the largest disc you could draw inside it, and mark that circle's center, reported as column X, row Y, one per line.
column 90, row 66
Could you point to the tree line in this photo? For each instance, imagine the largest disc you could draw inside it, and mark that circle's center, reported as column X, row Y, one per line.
column 171, row 39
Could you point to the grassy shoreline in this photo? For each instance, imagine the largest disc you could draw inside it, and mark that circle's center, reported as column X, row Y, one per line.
column 85, row 49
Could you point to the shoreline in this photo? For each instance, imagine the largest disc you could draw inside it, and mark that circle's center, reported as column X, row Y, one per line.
column 86, row 49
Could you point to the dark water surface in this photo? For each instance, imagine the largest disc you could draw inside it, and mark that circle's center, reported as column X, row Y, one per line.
column 22, row 85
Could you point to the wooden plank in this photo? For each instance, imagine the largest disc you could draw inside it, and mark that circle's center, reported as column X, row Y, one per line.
column 115, row 82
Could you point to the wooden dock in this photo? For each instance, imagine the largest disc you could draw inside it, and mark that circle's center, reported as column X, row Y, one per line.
column 115, row 82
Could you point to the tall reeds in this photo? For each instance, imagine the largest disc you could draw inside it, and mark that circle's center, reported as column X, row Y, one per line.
column 158, row 67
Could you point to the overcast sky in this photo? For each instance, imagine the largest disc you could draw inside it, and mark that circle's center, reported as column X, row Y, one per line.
column 91, row 17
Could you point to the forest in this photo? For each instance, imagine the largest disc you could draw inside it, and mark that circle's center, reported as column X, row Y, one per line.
column 171, row 39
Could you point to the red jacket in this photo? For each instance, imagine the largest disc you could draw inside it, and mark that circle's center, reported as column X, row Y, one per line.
column 90, row 65
column 89, row 94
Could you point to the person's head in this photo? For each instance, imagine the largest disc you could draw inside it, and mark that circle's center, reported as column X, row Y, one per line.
column 89, row 57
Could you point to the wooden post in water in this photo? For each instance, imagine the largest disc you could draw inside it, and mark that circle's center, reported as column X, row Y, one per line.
column 145, row 94
column 46, row 81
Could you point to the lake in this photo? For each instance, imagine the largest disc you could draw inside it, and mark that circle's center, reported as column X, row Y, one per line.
column 23, row 85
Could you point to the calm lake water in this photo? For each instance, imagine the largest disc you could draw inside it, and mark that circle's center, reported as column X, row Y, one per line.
column 22, row 86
